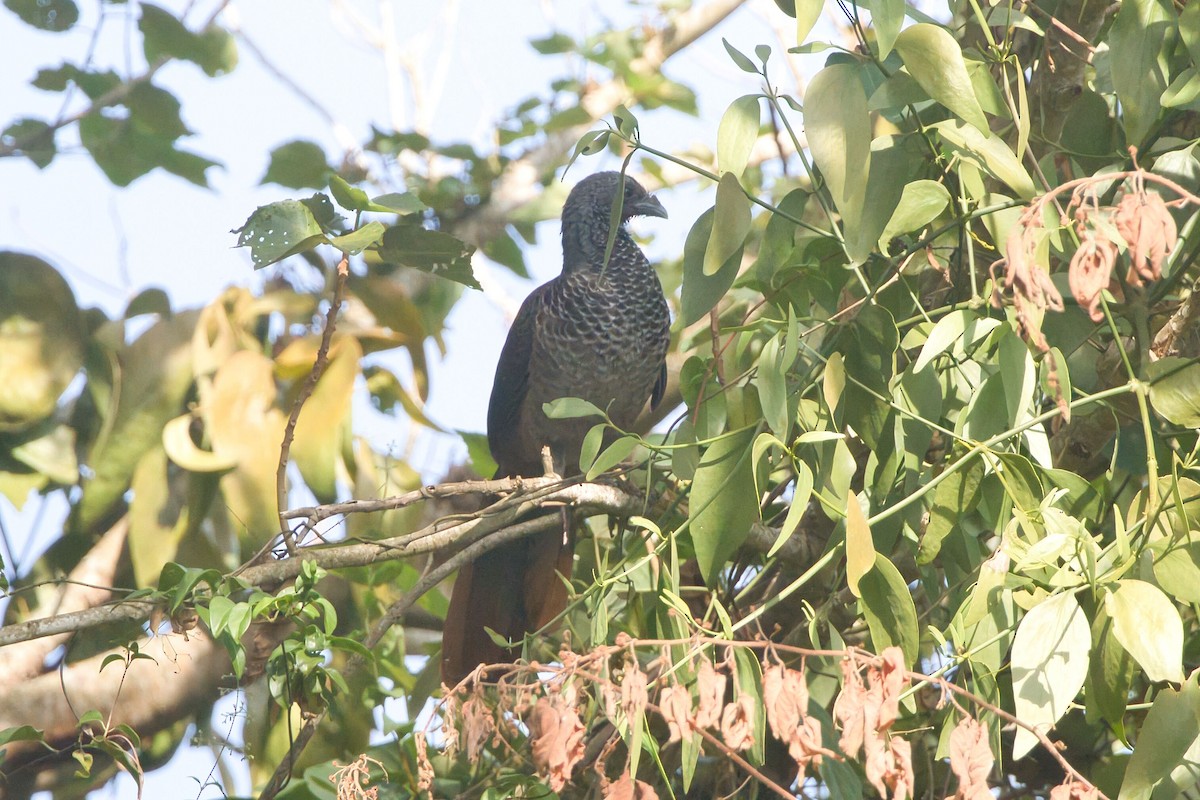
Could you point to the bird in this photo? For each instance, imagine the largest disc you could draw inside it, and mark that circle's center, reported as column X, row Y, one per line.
column 598, row 331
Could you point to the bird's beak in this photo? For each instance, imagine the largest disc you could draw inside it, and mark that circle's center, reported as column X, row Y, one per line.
column 650, row 207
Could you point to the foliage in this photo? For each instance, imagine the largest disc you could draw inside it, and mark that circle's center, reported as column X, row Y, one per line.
column 937, row 370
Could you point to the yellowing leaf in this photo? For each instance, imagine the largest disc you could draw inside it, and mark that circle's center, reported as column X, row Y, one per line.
column 179, row 447
column 1049, row 664
column 989, row 152
column 935, row 60
column 731, row 223
column 325, row 419
column 1147, row 624
column 860, row 547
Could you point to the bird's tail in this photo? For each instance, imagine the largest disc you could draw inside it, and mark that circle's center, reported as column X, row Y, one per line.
column 513, row 590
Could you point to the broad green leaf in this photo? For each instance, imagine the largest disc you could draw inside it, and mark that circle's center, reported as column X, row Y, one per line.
column 41, row 340
column 356, row 241
column 590, row 143
column 1110, row 674
column 1171, row 726
column 1139, row 73
column 1189, row 30
column 299, row 164
column 54, row 16
column 278, row 230
column 731, row 223
column 1183, row 90
column 800, row 497
column 627, row 123
column 723, row 502
column 887, row 16
column 891, row 168
column 807, row 14
column 700, row 292
column 920, row 203
column 1177, row 570
column 989, row 152
column 1175, row 390
column 1049, row 664
column 736, row 135
column 398, row 202
column 153, row 380
column 839, row 134
column 773, row 367
column 741, row 59
column 1147, row 624
column 944, row 334
column 430, row 251
column 935, row 60
column 570, row 408
column 748, row 679
column 165, row 36
column 889, row 609
column 955, row 497
column 612, row 455
column 33, row 139
column 156, row 520
column 860, row 547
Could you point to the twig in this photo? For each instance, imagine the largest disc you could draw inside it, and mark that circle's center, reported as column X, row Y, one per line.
column 310, row 383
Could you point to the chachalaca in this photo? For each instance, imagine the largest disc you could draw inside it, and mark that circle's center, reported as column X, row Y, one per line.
column 597, row 331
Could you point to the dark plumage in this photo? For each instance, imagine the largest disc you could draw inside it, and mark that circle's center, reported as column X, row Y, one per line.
column 597, row 332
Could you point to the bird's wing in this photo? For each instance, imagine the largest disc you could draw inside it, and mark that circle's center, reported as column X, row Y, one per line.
column 660, row 387
column 512, row 383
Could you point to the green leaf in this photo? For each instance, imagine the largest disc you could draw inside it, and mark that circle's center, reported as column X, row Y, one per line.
column 887, row 16
column 1139, row 73
column 773, row 367
column 1110, row 674
column 748, row 677
column 55, row 16
column 988, row 152
column 571, row 408
column 612, row 455
column 590, row 143
column 299, row 165
column 800, row 497
column 700, row 292
column 21, row 733
column 920, row 203
column 41, row 340
column 33, row 139
column 1177, row 570
column 839, row 134
column 1169, row 729
column 400, row 203
column 860, row 547
column 1183, row 90
column 889, row 609
column 627, row 123
column 724, row 502
column 278, row 230
column 1147, row 624
column 935, row 60
column 348, row 197
column 743, row 62
column 955, row 497
column 430, row 251
column 737, row 133
column 1175, row 390
column 554, row 43
column 1049, row 664
column 807, row 14
column 165, row 36
column 731, row 223
column 356, row 241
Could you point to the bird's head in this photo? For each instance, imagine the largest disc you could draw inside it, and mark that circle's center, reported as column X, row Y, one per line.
column 595, row 195
column 589, row 209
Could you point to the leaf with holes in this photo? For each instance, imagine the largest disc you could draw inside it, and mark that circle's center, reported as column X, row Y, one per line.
column 278, row 230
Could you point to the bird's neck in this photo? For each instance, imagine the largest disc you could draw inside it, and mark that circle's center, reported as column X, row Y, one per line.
column 584, row 244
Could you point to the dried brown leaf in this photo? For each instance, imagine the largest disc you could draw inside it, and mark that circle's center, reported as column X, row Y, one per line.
column 971, row 759
column 805, row 746
column 737, row 723
column 634, row 692
column 1144, row 221
column 626, row 788
column 891, row 679
column 676, row 707
column 556, row 736
column 425, row 773
column 850, row 710
column 1091, row 270
column 1074, row 790
column 785, row 695
column 710, row 685
column 478, row 725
